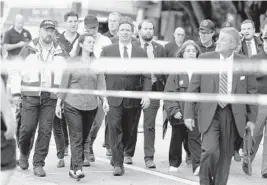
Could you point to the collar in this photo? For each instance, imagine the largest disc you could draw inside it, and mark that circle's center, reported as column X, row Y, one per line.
column 251, row 41
column 129, row 46
column 142, row 42
column 230, row 58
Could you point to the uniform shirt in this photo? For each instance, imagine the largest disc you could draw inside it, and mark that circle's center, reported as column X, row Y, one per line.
column 67, row 45
column 229, row 61
column 13, row 37
column 129, row 49
column 84, row 79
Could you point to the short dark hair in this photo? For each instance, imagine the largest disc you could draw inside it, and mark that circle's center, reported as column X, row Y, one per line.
column 145, row 20
column 126, row 20
column 70, row 14
column 248, row 21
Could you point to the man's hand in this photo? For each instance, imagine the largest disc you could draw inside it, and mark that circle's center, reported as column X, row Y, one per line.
column 145, row 102
column 189, row 123
column 178, row 115
column 105, row 106
column 251, row 125
column 58, row 111
column 11, row 127
column 16, row 101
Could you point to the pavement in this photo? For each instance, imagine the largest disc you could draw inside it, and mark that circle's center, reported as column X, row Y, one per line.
column 100, row 172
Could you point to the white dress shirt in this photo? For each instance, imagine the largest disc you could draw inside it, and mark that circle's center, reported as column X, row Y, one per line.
column 229, row 61
column 150, row 55
column 253, row 46
column 129, row 49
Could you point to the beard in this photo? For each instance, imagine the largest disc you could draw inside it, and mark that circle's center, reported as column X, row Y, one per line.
column 147, row 38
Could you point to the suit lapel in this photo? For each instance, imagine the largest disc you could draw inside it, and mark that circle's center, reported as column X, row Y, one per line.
column 216, row 78
column 117, row 51
column 235, row 75
column 155, row 49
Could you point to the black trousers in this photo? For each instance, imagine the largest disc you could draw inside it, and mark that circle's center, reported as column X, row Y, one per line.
column 79, row 123
column 121, row 122
column 218, row 148
column 36, row 110
column 59, row 137
column 194, row 144
column 65, row 130
column 179, row 133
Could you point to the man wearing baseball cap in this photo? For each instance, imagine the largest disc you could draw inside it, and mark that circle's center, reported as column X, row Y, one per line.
column 38, row 105
column 206, row 32
column 261, row 122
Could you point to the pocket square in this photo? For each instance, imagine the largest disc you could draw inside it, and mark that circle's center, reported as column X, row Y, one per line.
column 242, row 78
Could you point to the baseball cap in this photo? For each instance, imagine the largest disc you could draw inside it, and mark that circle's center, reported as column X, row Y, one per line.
column 207, row 25
column 91, row 21
column 47, row 24
column 227, row 24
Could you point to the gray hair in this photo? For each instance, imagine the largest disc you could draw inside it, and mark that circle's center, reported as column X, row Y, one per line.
column 234, row 34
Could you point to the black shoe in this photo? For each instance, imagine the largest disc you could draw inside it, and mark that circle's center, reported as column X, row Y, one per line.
column 245, row 168
column 264, row 176
column 23, row 162
column 39, row 171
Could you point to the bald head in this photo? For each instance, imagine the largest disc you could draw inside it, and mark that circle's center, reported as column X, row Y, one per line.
column 19, row 22
column 179, row 35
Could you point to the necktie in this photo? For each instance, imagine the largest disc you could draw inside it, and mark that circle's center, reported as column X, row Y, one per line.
column 249, row 49
column 223, row 87
column 125, row 53
column 145, row 47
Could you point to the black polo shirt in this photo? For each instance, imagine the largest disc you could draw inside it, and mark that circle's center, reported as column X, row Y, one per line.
column 65, row 44
column 13, row 37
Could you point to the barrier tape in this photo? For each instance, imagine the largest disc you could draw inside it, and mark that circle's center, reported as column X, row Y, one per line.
column 173, row 96
column 141, row 65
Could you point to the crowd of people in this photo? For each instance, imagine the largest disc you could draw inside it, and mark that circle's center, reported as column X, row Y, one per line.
column 210, row 132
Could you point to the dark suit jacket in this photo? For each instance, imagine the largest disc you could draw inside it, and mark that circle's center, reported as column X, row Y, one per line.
column 171, row 49
column 126, row 82
column 116, row 39
column 209, row 83
column 259, row 46
column 158, row 51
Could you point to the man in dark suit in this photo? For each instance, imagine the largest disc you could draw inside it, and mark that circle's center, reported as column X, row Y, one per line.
column 171, row 48
column 123, row 111
column 218, row 121
column 251, row 45
column 153, row 50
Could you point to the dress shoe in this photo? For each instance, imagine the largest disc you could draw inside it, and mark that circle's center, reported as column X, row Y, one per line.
column 264, row 176
column 108, row 153
column 39, row 171
column 23, row 162
column 245, row 168
column 150, row 164
column 128, row 160
column 188, row 160
column 237, row 156
column 196, row 172
column 86, row 162
column 118, row 171
column 61, row 163
column 66, row 151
